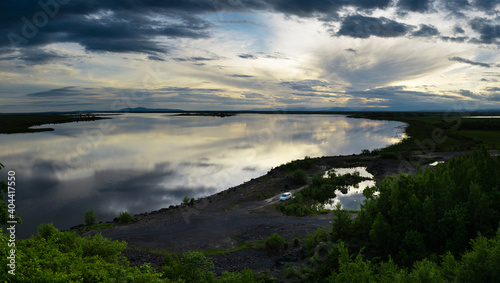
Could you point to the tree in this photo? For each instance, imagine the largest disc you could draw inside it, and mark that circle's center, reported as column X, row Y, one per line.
column 341, row 222
column 90, row 217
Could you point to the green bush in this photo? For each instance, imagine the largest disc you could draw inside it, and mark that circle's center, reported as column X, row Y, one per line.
column 90, row 217
column 435, row 210
column 275, row 244
column 188, row 201
column 299, row 177
column 125, row 218
column 46, row 231
column 342, row 222
column 192, row 267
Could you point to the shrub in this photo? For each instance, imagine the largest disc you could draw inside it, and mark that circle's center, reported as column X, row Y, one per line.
column 188, row 201
column 125, row 218
column 46, row 231
column 275, row 244
column 192, row 267
column 300, row 177
column 90, row 217
column 342, row 222
column 296, row 242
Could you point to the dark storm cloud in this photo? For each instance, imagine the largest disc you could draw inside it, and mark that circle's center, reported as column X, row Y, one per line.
column 414, row 5
column 136, row 26
column 155, row 58
column 459, row 39
column 196, row 59
column 456, row 5
column 65, row 91
column 398, row 94
column 247, row 56
column 241, row 76
column 489, row 31
column 38, row 56
column 133, row 26
column 309, row 94
column 253, row 95
column 363, row 27
column 305, row 85
column 466, row 61
column 98, row 26
column 485, row 5
column 425, row 31
column 31, row 56
column 458, row 29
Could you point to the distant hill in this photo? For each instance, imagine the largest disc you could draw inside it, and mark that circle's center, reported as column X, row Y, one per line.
column 143, row 109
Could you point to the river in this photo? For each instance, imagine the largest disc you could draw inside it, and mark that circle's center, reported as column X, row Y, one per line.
column 144, row 162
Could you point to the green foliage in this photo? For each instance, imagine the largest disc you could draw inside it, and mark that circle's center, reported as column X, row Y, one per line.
column 351, row 271
column 188, row 201
column 275, row 244
column 90, row 217
column 482, row 264
column 299, row 177
column 436, row 210
column 342, row 222
column 54, row 256
column 305, row 164
column 125, row 218
column 46, row 231
column 311, row 200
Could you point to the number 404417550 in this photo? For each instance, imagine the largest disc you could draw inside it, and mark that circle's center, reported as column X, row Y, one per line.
column 11, row 194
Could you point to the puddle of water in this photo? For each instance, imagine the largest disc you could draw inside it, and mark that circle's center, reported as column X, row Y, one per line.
column 353, row 197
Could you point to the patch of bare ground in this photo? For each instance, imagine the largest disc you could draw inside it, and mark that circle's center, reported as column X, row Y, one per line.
column 225, row 223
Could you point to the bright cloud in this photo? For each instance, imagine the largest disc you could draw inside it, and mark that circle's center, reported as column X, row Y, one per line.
column 403, row 55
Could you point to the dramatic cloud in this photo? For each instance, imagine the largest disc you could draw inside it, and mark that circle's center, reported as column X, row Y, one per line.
column 241, row 76
column 489, row 31
column 221, row 54
column 458, row 29
column 364, row 27
column 456, row 5
column 306, row 85
column 247, row 56
column 414, row 5
column 65, row 91
column 425, row 31
column 466, row 61
column 103, row 27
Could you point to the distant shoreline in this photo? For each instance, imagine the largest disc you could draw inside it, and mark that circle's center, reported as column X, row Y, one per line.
column 18, row 123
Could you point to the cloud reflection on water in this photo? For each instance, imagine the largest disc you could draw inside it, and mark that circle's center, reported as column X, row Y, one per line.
column 150, row 161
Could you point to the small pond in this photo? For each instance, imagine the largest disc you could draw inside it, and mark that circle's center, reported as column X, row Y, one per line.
column 353, row 197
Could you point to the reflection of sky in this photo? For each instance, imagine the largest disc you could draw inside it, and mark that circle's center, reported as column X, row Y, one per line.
column 143, row 162
column 354, row 196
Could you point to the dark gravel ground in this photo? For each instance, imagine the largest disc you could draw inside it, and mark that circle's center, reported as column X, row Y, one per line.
column 226, row 220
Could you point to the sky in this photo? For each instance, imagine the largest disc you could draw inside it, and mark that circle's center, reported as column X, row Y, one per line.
column 71, row 55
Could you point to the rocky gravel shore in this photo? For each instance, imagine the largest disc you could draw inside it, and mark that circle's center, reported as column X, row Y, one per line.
column 222, row 222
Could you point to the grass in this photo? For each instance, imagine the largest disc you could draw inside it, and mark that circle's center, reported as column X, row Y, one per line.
column 429, row 132
column 258, row 244
column 22, row 123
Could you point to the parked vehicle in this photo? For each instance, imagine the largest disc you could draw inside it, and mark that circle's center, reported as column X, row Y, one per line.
column 286, row 196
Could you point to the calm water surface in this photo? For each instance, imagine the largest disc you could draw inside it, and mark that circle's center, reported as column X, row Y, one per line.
column 143, row 162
